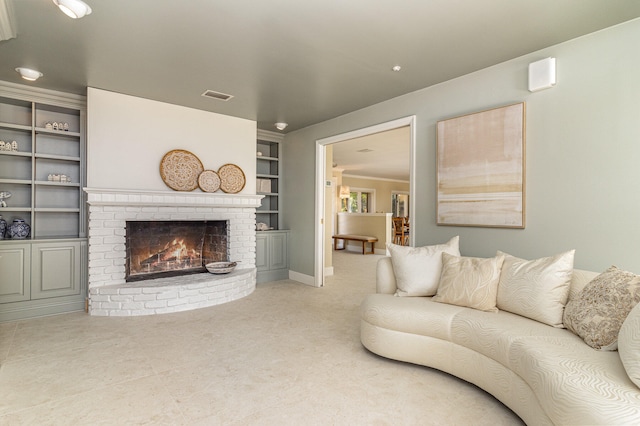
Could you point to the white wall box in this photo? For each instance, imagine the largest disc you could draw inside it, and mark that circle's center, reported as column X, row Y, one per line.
column 46, row 273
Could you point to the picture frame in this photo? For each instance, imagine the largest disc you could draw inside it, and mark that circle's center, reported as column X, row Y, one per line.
column 481, row 168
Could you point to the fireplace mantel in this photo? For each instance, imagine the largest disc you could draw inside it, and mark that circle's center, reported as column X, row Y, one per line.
column 126, row 197
column 109, row 211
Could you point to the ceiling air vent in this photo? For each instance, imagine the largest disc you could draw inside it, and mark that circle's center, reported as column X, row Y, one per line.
column 217, row 95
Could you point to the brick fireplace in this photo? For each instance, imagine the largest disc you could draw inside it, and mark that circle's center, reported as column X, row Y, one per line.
column 109, row 211
column 163, row 248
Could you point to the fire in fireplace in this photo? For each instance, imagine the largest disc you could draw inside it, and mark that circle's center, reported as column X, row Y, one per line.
column 157, row 249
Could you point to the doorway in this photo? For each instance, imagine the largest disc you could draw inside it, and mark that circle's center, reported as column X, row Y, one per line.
column 324, row 182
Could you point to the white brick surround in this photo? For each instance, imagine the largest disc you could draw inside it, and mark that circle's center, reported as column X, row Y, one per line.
column 109, row 210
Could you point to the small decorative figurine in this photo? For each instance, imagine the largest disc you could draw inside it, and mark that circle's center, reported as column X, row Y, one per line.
column 3, row 196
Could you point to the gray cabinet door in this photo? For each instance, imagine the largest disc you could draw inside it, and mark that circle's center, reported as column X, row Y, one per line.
column 262, row 252
column 55, row 269
column 15, row 269
column 278, row 256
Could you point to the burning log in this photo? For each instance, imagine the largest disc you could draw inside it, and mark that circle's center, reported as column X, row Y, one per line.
column 173, row 251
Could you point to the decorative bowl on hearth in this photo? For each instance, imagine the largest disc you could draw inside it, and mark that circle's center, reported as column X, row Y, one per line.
column 221, row 267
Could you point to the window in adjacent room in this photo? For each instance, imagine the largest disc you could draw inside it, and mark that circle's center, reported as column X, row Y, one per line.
column 359, row 201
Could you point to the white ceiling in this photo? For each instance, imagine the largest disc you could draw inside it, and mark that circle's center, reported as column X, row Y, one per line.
column 296, row 61
column 386, row 155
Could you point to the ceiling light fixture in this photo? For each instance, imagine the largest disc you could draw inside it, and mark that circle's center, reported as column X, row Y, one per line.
column 73, row 8
column 29, row 74
column 396, row 68
column 281, row 126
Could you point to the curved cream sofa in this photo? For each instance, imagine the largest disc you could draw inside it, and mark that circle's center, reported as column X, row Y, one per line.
column 546, row 375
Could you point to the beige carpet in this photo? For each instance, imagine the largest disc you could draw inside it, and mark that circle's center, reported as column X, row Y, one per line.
column 288, row 354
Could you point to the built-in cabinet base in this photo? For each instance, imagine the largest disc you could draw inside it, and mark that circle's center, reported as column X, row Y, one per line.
column 42, row 277
column 272, row 255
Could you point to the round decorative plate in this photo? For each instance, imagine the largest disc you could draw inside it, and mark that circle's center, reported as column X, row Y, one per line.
column 180, row 170
column 232, row 178
column 209, row 181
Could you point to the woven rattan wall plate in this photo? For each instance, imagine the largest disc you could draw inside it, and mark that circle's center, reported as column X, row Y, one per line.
column 209, row 181
column 180, row 169
column 232, row 178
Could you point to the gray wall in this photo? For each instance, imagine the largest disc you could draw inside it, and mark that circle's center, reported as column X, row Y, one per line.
column 582, row 148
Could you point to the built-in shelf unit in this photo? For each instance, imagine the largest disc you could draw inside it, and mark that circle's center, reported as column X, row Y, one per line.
column 269, row 178
column 46, row 272
column 272, row 246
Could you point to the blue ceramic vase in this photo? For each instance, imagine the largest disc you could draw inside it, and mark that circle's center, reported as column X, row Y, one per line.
column 3, row 228
column 19, row 230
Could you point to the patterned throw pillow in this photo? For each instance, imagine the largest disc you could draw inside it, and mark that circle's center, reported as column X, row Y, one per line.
column 469, row 281
column 599, row 310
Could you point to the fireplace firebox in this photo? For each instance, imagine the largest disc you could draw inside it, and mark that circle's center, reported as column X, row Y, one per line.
column 156, row 249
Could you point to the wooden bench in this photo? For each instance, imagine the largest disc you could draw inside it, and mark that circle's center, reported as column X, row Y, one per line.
column 362, row 238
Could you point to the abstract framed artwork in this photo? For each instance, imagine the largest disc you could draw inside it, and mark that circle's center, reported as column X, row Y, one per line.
column 481, row 168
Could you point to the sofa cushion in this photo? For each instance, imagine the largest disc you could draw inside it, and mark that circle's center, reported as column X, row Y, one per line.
column 492, row 334
column 575, row 384
column 599, row 310
column 417, row 269
column 536, row 289
column 629, row 345
column 415, row 315
column 469, row 281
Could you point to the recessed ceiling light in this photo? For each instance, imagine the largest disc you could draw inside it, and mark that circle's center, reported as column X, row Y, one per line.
column 73, row 8
column 29, row 74
column 396, row 68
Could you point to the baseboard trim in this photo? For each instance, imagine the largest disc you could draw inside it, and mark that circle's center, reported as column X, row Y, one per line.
column 23, row 311
column 276, row 275
column 302, row 278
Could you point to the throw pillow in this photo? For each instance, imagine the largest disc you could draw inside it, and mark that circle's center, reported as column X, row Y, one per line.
column 417, row 269
column 469, row 281
column 599, row 310
column 629, row 345
column 536, row 289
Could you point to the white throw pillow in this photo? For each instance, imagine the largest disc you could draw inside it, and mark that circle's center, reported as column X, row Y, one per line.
column 536, row 289
column 470, row 281
column 629, row 345
column 417, row 269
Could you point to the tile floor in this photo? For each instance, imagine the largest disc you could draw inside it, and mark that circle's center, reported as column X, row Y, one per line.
column 288, row 354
